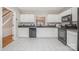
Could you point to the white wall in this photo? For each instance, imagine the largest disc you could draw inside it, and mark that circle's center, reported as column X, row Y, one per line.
column 0, row 28
column 74, row 14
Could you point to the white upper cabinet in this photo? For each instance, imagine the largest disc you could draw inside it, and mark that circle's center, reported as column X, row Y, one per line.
column 67, row 12
column 53, row 18
column 72, row 11
column 27, row 18
column 74, row 14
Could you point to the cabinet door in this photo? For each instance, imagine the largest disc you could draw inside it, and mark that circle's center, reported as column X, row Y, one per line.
column 23, row 32
column 72, row 40
column 47, row 32
column 27, row 18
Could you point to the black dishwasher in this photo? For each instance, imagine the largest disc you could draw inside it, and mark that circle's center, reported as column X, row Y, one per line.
column 32, row 32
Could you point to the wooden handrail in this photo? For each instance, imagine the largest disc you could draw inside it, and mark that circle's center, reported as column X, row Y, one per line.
column 7, row 21
column 6, row 13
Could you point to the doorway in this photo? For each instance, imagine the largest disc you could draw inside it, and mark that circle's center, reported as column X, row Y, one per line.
column 7, row 26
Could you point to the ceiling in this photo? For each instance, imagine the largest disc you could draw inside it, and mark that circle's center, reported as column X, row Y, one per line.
column 42, row 10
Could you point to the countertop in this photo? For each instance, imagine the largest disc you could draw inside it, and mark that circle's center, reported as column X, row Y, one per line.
column 73, row 30
column 37, row 26
column 69, row 29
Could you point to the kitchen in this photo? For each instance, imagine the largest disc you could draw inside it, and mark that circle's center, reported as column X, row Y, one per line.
column 39, row 26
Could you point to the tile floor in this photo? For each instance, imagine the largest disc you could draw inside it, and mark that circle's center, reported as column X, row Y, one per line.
column 39, row 44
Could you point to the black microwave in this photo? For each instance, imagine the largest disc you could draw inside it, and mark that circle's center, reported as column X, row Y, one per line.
column 67, row 18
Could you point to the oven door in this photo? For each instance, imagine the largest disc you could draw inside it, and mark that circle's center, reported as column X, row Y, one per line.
column 62, row 35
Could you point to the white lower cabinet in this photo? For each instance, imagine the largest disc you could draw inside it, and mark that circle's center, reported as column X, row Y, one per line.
column 40, row 32
column 47, row 32
column 23, row 32
column 72, row 39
